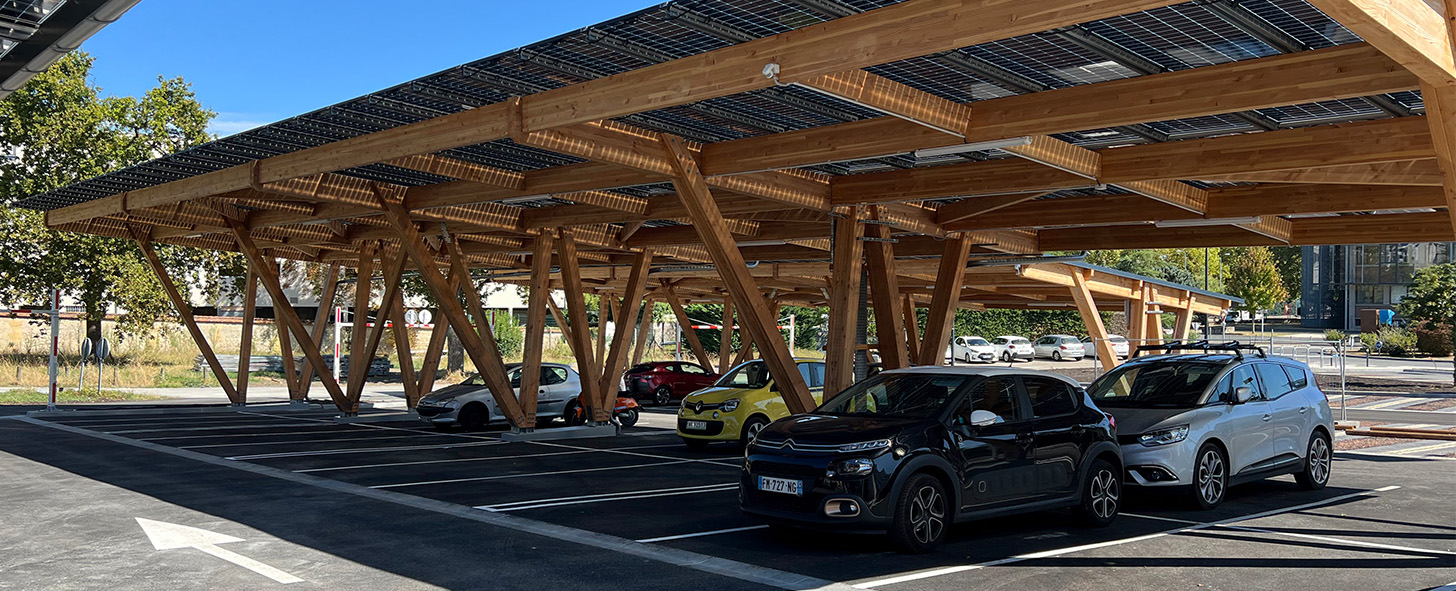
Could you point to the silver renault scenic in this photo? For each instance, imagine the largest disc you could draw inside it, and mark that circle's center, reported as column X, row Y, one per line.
column 1203, row 422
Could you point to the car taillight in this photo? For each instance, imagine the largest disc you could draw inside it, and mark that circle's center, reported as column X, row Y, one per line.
column 1111, row 420
column 1062, row 347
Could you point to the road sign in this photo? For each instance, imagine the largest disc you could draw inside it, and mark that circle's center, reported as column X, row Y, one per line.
column 87, row 346
column 411, row 316
column 103, row 349
column 170, row 536
column 426, row 317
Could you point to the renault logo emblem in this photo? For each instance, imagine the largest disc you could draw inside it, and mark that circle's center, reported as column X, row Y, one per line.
column 698, row 407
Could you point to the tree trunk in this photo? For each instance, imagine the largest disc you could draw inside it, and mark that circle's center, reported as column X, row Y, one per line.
column 454, row 352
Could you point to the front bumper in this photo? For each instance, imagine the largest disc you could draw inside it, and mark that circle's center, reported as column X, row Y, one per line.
column 820, row 491
column 1162, row 466
column 721, row 426
column 437, row 415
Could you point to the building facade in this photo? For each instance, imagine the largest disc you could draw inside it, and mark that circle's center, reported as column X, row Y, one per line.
column 1343, row 284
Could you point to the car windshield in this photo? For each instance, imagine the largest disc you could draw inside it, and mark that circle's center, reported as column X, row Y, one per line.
column 475, row 380
column 1172, row 384
column 751, row 375
column 976, row 342
column 901, row 395
column 1020, row 341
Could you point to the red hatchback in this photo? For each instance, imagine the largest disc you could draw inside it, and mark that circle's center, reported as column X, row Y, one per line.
column 665, row 381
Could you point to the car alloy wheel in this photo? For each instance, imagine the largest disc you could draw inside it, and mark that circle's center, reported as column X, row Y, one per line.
column 927, row 514
column 662, row 396
column 1006, row 356
column 752, row 428
column 968, row 357
column 1210, row 477
column 1316, row 471
column 1104, row 494
column 1056, row 355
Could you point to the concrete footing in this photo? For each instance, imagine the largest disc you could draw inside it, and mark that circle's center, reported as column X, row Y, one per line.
column 387, row 417
column 577, row 432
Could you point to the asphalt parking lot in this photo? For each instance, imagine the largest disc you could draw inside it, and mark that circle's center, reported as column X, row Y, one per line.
column 657, row 515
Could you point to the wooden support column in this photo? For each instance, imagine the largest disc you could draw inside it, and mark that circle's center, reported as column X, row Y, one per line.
column 1441, row 115
column 359, row 334
column 430, row 365
column 949, row 281
column 563, row 325
column 393, row 270
column 402, row 350
column 1183, row 321
column 531, row 348
column 606, row 306
column 912, row 328
column 1092, row 318
column 282, row 310
column 184, row 311
column 725, row 335
column 688, row 333
column 885, row 297
column 627, row 311
column 490, row 348
column 644, row 326
column 245, row 344
column 1137, row 318
column 490, row 367
column 290, row 366
column 586, row 364
column 844, row 282
column 692, row 190
column 320, row 320
column 1154, row 324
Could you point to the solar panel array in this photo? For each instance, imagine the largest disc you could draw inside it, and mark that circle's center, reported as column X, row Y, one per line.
column 1172, row 38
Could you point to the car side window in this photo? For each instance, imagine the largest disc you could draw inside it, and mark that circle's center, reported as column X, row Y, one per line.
column 1243, row 376
column 1049, row 397
column 514, row 375
column 994, row 394
column 552, row 375
column 1298, row 378
column 813, row 378
column 689, row 368
column 1274, row 380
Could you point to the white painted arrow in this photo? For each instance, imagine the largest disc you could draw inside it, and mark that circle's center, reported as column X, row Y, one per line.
column 170, row 536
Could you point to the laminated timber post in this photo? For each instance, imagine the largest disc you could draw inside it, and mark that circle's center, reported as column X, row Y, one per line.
column 490, row 349
column 1091, row 317
column 393, row 271
column 282, row 310
column 644, row 326
column 1154, row 323
column 531, row 348
column 430, row 365
column 606, row 307
column 630, row 307
column 1137, row 317
column 491, row 369
column 320, row 320
column 1183, row 320
column 844, row 306
column 725, row 335
column 885, row 297
column 563, row 325
column 402, row 349
column 184, row 311
column 359, row 333
column 245, row 344
column 912, row 328
column 949, row 281
column 688, row 333
column 692, row 190
column 580, row 331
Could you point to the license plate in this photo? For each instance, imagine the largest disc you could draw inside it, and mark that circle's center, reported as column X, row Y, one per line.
column 781, row 485
column 696, row 425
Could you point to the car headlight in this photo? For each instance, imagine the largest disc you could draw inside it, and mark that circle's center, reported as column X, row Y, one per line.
column 865, row 446
column 1164, row 436
column 729, row 405
column 854, row 467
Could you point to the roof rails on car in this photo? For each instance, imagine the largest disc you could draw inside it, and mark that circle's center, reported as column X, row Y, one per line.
column 1235, row 347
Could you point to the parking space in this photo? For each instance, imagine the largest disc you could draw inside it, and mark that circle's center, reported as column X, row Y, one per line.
column 1390, row 515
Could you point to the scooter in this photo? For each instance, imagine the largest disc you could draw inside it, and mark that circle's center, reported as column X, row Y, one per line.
column 626, row 412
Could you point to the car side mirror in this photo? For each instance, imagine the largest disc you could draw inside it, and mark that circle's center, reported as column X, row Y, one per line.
column 982, row 418
column 1243, row 394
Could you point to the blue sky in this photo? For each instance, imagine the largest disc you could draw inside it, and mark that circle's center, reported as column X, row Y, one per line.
column 259, row 61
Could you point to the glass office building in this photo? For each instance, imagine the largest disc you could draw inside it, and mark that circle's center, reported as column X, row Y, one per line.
column 1342, row 282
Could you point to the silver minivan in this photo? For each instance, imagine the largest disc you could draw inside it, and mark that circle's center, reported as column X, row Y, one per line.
column 1201, row 423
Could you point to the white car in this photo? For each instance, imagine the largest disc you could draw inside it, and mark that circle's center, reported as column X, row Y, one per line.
column 971, row 350
column 1009, row 348
column 470, row 405
column 1119, row 346
column 1058, row 347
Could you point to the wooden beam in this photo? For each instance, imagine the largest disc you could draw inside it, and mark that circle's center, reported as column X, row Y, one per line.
column 688, row 332
column 580, row 327
column 1183, row 320
column 358, row 345
column 245, row 342
column 1137, row 319
column 184, row 311
column 606, row 306
column 846, row 272
column 1092, row 318
column 885, row 297
column 562, row 324
column 644, row 326
column 1441, row 117
column 912, row 328
column 320, row 320
column 402, row 350
column 1154, row 324
column 1411, row 32
column 895, row 99
column 430, row 365
column 949, row 278
column 692, row 188
column 534, row 344
column 725, row 335
column 1409, row 172
column 974, row 206
column 625, row 319
column 393, row 267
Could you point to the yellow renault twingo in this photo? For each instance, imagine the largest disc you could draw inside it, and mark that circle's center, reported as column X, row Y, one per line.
column 741, row 403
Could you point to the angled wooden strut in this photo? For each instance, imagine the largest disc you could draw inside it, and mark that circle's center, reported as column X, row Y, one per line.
column 628, row 311
column 949, row 281
column 531, row 348
column 725, row 335
column 245, row 345
column 403, row 351
column 320, row 320
column 844, row 284
column 644, row 326
column 580, row 331
column 430, row 365
column 688, row 332
column 1106, row 355
column 360, row 357
column 885, row 297
column 393, row 271
column 912, row 328
column 184, row 310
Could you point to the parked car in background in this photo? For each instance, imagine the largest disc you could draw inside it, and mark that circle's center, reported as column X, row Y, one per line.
column 970, row 350
column 1058, row 347
column 665, row 381
column 1203, row 422
column 913, row 451
column 470, row 405
column 744, row 400
column 1119, row 346
column 1009, row 348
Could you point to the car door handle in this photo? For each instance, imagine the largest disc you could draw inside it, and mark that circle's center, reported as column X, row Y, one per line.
column 1302, row 409
column 1267, row 417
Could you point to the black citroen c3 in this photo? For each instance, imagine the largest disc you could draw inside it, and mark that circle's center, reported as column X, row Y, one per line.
column 909, row 452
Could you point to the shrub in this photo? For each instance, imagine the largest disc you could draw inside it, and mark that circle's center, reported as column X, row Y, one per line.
column 1390, row 340
column 1434, row 339
column 1334, row 335
column 508, row 334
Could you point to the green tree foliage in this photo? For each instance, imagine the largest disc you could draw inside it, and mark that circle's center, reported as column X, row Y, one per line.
column 1431, row 299
column 1290, row 262
column 58, row 130
column 1254, row 277
column 1179, row 265
column 508, row 333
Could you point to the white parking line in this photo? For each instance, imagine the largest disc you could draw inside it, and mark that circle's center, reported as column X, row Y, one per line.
column 214, row 436
column 330, row 452
column 213, row 428
column 916, row 576
column 608, row 497
column 700, row 534
column 1299, row 535
column 449, row 461
column 527, row 475
column 1424, row 448
column 295, row 442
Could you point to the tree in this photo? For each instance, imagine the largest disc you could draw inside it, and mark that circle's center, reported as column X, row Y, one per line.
column 1254, row 277
column 1290, row 262
column 1431, row 298
column 58, row 130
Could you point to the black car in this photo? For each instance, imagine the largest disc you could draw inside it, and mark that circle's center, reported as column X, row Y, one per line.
column 911, row 451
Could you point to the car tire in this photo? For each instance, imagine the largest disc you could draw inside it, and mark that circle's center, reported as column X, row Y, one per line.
column 1006, row 356
column 1318, row 459
column 627, row 418
column 570, row 416
column 1101, row 495
column 1056, row 355
column 751, row 428
column 695, row 444
column 1210, row 476
column 474, row 417
column 968, row 358
column 662, row 396
column 922, row 515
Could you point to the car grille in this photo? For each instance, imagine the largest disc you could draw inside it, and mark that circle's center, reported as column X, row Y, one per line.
column 702, row 407
column 714, row 428
column 780, row 501
column 787, row 470
column 1127, row 439
column 430, row 411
